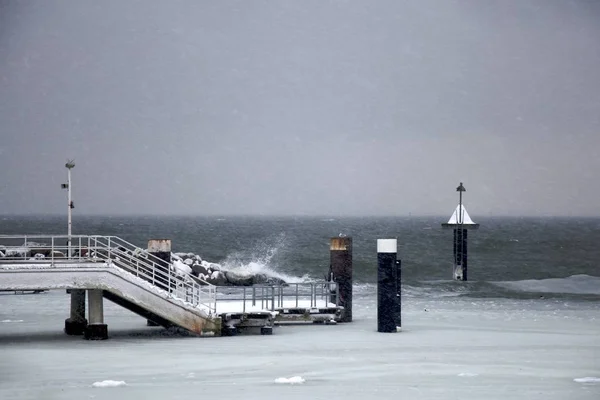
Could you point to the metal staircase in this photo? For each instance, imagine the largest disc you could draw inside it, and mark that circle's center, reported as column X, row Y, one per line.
column 127, row 275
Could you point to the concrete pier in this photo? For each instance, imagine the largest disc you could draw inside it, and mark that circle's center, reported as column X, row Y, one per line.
column 97, row 329
column 76, row 323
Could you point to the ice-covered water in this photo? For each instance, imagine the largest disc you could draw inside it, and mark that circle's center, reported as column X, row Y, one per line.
column 450, row 348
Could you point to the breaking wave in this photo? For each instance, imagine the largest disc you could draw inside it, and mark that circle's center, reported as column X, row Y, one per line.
column 575, row 284
column 261, row 260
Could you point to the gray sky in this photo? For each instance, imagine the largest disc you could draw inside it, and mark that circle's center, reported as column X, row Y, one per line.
column 301, row 107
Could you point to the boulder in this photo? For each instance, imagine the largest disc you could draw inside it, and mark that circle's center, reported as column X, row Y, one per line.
column 262, row 279
column 181, row 268
column 217, row 278
column 198, row 269
column 238, row 279
column 188, row 261
column 57, row 254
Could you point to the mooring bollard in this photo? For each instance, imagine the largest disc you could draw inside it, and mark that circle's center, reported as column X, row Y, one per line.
column 161, row 248
column 388, row 286
column 340, row 271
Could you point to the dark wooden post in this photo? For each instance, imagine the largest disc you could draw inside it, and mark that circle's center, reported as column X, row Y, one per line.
column 340, row 271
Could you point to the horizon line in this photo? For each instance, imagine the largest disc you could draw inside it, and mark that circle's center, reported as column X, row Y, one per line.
column 328, row 216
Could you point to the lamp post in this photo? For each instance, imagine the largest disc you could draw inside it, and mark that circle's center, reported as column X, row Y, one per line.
column 69, row 165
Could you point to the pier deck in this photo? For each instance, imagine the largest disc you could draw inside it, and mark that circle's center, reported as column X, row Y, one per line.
column 114, row 269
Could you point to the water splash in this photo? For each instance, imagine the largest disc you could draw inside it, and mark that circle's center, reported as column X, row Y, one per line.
column 261, row 260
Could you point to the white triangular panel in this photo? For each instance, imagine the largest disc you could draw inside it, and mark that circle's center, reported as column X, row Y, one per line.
column 464, row 216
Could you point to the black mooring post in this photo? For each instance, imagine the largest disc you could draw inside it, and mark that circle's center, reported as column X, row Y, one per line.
column 387, row 286
column 340, row 271
column 460, row 254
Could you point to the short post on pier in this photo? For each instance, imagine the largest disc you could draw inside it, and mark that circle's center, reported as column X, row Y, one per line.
column 161, row 249
column 388, row 286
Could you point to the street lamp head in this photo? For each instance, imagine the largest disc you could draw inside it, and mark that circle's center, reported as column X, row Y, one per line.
column 461, row 188
column 70, row 164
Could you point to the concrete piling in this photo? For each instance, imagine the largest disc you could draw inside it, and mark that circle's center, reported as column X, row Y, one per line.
column 161, row 249
column 76, row 323
column 340, row 271
column 388, row 286
column 96, row 329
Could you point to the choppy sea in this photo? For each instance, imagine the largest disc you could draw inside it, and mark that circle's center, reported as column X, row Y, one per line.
column 508, row 257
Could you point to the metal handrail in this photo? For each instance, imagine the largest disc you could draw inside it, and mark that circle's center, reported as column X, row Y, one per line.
column 115, row 252
column 271, row 297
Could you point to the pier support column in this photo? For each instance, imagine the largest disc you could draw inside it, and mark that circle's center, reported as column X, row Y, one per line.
column 76, row 323
column 340, row 270
column 97, row 329
column 388, row 299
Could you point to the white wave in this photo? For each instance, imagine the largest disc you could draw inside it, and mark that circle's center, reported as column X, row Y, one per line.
column 11, row 320
column 587, row 379
column 575, row 284
column 108, row 383
column 293, row 380
column 260, row 261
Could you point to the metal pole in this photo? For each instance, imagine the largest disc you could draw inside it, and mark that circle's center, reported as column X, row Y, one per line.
column 69, row 212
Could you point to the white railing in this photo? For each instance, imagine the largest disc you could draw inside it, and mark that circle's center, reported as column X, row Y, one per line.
column 322, row 294
column 114, row 251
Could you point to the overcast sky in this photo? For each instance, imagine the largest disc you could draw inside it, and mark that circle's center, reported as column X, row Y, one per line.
column 301, row 107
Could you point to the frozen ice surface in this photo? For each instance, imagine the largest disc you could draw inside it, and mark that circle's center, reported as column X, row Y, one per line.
column 108, row 383
column 587, row 379
column 293, row 380
column 511, row 349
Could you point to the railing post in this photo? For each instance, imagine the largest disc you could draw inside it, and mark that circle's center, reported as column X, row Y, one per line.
column 262, row 297
column 280, row 296
column 109, row 249
column 244, row 300
column 52, row 251
column 297, row 285
column 253, row 296
column 169, row 279
column 272, row 298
